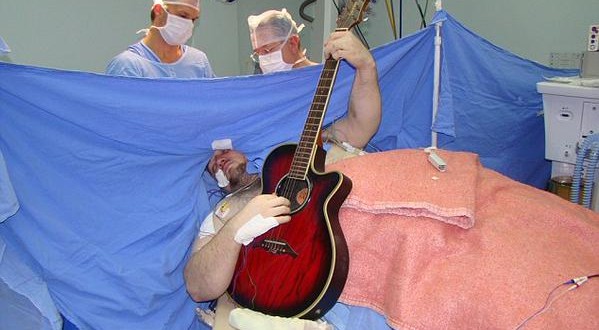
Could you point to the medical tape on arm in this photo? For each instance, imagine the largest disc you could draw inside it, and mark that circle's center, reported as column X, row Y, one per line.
column 255, row 227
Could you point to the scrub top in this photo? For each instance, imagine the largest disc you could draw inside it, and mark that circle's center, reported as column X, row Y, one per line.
column 140, row 61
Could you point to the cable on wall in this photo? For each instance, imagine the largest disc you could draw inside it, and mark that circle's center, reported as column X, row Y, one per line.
column 391, row 15
column 357, row 27
column 422, row 14
column 302, row 9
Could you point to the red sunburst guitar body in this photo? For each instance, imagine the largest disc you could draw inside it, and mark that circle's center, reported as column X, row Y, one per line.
column 298, row 269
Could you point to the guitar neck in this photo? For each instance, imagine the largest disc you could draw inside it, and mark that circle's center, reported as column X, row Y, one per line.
column 304, row 152
column 306, row 149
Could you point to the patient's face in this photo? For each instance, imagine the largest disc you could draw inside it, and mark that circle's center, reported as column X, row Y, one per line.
column 232, row 162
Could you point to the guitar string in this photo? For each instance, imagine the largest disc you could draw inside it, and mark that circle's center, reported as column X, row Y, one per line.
column 289, row 185
column 322, row 91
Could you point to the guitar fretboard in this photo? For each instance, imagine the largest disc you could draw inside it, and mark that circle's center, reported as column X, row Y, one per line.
column 306, row 147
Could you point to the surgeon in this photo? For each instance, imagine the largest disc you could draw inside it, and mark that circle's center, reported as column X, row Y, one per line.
column 277, row 47
column 162, row 53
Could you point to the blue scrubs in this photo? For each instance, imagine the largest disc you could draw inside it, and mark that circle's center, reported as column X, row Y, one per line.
column 140, row 61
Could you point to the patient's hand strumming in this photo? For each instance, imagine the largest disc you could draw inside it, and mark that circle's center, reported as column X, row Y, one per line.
column 262, row 213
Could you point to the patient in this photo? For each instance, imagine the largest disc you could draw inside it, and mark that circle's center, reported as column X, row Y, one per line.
column 215, row 252
column 431, row 262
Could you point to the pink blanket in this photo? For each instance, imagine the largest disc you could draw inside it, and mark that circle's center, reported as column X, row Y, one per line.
column 405, row 183
column 422, row 273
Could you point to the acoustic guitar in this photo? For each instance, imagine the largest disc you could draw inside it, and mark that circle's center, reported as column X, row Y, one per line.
column 298, row 269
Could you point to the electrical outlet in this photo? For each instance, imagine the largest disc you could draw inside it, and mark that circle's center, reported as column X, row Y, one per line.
column 565, row 60
column 593, row 44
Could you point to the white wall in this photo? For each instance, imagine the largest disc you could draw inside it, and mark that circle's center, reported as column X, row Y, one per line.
column 217, row 33
column 85, row 35
column 530, row 28
column 70, row 34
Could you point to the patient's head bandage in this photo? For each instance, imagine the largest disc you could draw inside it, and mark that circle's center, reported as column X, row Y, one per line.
column 271, row 26
column 257, row 226
column 195, row 4
column 223, row 144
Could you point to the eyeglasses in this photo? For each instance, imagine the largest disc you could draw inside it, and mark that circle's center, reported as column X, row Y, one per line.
column 266, row 49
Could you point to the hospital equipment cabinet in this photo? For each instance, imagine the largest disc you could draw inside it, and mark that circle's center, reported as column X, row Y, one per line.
column 571, row 114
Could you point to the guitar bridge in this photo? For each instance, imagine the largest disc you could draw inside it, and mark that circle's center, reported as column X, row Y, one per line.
column 277, row 247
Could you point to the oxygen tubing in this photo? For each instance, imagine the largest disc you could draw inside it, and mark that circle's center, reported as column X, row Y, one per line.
column 587, row 160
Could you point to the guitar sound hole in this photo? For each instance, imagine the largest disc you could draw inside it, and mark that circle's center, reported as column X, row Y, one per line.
column 296, row 191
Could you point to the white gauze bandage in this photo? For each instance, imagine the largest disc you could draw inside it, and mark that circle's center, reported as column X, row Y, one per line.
column 257, row 226
column 221, row 178
column 222, row 144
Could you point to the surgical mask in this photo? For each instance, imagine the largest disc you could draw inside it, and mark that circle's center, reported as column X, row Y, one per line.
column 273, row 62
column 177, row 30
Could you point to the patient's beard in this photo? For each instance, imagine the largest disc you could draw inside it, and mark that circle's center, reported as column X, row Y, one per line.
column 239, row 178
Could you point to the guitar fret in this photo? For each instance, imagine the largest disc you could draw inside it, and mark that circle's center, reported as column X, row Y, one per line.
column 303, row 164
column 304, row 158
column 305, row 146
column 311, row 130
column 304, row 149
column 310, row 134
column 311, row 127
column 300, row 168
column 313, row 124
column 305, row 154
column 315, row 117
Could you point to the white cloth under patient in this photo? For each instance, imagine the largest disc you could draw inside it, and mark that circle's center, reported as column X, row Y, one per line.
column 247, row 319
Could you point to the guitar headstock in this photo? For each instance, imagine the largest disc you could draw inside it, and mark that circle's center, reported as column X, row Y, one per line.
column 352, row 14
